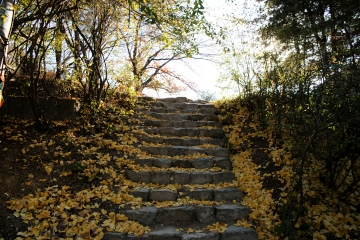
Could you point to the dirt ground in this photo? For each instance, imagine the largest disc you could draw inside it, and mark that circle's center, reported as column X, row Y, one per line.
column 20, row 175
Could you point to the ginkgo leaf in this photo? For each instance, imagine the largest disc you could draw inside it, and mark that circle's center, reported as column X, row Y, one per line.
column 48, row 169
column 43, row 214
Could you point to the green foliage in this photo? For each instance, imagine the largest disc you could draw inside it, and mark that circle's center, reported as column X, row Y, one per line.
column 150, row 49
column 82, row 37
column 306, row 89
column 76, row 167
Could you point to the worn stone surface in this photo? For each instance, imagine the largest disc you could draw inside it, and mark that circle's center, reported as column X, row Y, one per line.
column 160, row 177
column 196, row 117
column 182, row 163
column 239, row 233
column 191, row 132
column 162, row 163
column 204, row 213
column 150, row 122
column 169, row 105
column 206, row 194
column 228, row 194
column 218, row 177
column 176, row 151
column 231, row 212
column 159, row 110
column 181, row 100
column 173, row 117
column 192, row 142
column 132, row 237
column 180, row 177
column 147, row 138
column 144, row 215
column 211, row 106
column 142, row 193
column 202, row 117
column 218, row 152
column 214, row 133
column 165, row 234
column 173, row 132
column 173, row 141
column 172, row 110
column 176, row 214
column 163, row 195
column 162, row 123
column 138, row 176
column 142, row 162
column 202, row 236
column 203, row 163
column 193, row 124
column 223, row 163
column 170, row 131
column 191, row 106
column 216, row 141
column 206, row 110
column 195, row 150
column 155, row 150
column 168, row 100
column 114, row 236
column 157, row 104
column 200, row 178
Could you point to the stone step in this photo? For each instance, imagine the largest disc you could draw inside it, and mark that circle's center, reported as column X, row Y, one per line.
column 174, row 100
column 173, row 233
column 182, row 141
column 150, row 215
column 186, row 132
column 180, row 124
column 197, row 163
column 186, row 108
column 175, row 130
column 180, row 177
column 184, row 105
column 183, row 151
column 181, row 117
column 154, row 102
column 164, row 194
column 170, row 100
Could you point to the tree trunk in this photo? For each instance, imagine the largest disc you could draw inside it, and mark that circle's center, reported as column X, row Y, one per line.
column 6, row 21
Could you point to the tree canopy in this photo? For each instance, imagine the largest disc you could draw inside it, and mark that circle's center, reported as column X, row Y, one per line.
column 303, row 85
column 63, row 48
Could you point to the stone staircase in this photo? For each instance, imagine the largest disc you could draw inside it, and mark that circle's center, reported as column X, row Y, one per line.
column 185, row 142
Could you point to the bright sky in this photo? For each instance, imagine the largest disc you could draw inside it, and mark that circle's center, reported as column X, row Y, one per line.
column 203, row 72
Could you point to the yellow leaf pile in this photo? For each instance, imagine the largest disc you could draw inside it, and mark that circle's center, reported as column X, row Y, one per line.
column 217, row 227
column 120, row 223
column 326, row 215
column 259, row 200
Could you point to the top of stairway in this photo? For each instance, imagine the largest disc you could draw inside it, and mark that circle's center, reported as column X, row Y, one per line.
column 172, row 100
column 177, row 105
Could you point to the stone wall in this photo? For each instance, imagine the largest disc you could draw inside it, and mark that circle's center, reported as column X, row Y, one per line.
column 54, row 108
